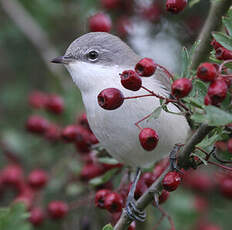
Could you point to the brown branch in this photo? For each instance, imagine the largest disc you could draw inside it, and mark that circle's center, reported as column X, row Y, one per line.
column 213, row 22
column 33, row 31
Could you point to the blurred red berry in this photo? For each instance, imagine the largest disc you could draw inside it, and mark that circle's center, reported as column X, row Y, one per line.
column 12, row 175
column 113, row 202
column 110, row 4
column 36, row 216
column 82, row 120
column 57, row 209
column 152, row 12
column 163, row 196
column 131, row 80
column 175, row 6
column 100, row 197
column 223, row 54
column 181, row 87
column 100, row 23
column 141, row 187
column 217, row 91
column 53, row 132
column 123, row 25
column 38, row 99
column 207, row 72
column 26, row 197
column 89, row 171
column 55, row 104
column 221, row 145
column 69, row 133
column 201, row 204
column 145, row 67
column 37, row 179
column 132, row 226
column 149, row 178
column 110, row 98
column 37, row 124
column 207, row 100
column 229, row 145
column 148, row 139
column 171, row 181
column 225, row 186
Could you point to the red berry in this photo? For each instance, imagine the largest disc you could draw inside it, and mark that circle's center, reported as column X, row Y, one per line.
column 215, row 44
column 141, row 187
column 148, row 138
column 221, row 145
column 38, row 99
column 37, row 124
column 113, row 202
column 57, row 209
column 201, row 204
column 36, row 216
column 217, row 91
column 110, row 4
column 152, row 12
column 207, row 100
column 223, row 54
column 145, row 67
column 131, row 80
column 229, row 145
column 55, row 104
column 175, row 6
column 12, row 175
column 69, row 133
column 37, row 179
column 163, row 196
column 171, row 181
column 100, row 23
column 89, row 171
column 110, row 98
column 181, row 87
column 53, row 132
column 207, row 72
column 100, row 197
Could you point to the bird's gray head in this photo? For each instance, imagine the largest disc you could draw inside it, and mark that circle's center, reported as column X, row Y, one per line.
column 100, row 48
column 97, row 58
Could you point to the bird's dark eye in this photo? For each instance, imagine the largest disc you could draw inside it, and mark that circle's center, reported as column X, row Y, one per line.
column 93, row 55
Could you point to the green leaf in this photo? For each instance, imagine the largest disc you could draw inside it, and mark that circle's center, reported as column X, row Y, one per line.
column 185, row 62
column 227, row 21
column 14, row 217
column 108, row 160
column 213, row 116
column 108, row 227
column 104, row 178
column 223, row 39
column 200, row 157
column 155, row 114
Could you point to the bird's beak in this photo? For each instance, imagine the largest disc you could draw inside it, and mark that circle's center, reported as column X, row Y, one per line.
column 62, row 60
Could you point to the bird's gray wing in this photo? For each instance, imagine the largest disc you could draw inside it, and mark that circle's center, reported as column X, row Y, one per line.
column 163, row 78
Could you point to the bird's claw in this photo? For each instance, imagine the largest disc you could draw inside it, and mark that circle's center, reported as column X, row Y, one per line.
column 134, row 213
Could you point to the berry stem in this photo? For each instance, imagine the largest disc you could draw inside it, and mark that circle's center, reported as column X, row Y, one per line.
column 222, row 65
column 134, row 97
column 166, row 71
column 146, row 117
column 220, row 166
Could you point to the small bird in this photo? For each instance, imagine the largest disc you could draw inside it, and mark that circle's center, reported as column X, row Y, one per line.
column 94, row 62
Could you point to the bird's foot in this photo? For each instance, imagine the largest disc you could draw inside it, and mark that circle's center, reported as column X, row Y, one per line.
column 173, row 158
column 133, row 212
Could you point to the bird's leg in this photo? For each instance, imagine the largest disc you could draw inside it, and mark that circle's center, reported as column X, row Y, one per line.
column 131, row 210
column 173, row 158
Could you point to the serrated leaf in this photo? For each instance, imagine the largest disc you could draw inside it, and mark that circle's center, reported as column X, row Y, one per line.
column 108, row 227
column 155, row 114
column 213, row 116
column 223, row 39
column 104, row 178
column 227, row 21
column 108, row 160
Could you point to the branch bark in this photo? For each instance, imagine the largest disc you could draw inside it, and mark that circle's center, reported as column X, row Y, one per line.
column 32, row 30
column 213, row 23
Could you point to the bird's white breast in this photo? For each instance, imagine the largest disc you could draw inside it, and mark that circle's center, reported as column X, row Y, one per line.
column 116, row 129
